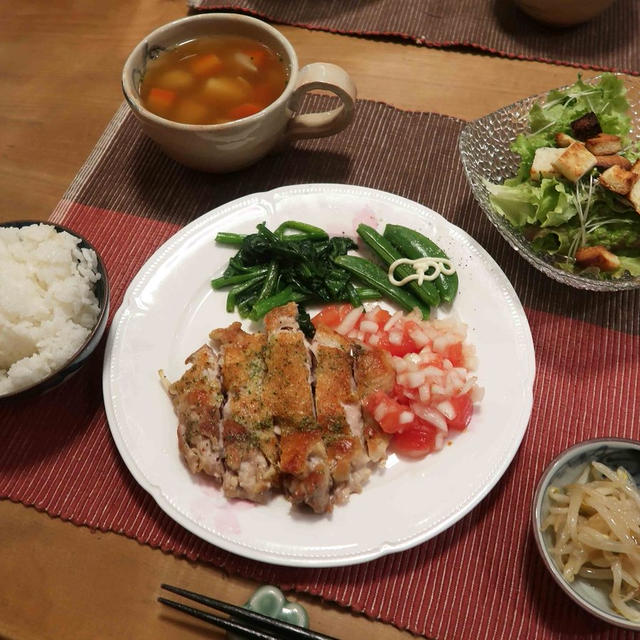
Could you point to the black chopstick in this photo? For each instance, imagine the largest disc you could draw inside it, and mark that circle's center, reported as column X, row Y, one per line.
column 224, row 623
column 261, row 624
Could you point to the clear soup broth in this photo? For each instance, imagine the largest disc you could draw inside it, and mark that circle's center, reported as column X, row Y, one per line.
column 212, row 80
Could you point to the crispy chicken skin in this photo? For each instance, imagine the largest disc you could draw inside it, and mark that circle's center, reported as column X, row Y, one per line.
column 373, row 371
column 250, row 444
column 289, row 397
column 338, row 413
column 197, row 399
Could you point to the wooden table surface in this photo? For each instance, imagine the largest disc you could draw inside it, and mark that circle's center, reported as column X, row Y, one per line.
column 60, row 64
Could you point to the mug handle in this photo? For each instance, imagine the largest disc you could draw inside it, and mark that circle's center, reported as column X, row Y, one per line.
column 328, row 77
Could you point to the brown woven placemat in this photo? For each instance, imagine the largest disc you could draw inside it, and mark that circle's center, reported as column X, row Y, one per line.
column 608, row 42
column 480, row 578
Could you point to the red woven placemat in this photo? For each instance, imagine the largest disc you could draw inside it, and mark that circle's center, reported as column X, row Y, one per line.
column 607, row 42
column 482, row 577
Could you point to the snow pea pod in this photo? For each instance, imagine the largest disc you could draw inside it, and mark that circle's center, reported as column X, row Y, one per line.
column 376, row 277
column 414, row 245
column 367, row 293
column 427, row 291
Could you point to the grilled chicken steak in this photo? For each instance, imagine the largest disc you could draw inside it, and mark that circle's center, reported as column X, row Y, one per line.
column 268, row 412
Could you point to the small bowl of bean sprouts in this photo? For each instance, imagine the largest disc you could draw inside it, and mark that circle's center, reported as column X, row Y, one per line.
column 586, row 523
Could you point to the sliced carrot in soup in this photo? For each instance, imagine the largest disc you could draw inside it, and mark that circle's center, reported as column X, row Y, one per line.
column 244, row 110
column 160, row 99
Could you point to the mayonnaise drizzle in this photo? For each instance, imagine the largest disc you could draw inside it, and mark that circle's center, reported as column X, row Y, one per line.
column 425, row 269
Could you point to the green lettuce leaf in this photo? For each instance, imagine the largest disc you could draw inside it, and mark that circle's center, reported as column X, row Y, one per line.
column 606, row 98
column 549, row 203
column 632, row 153
column 628, row 264
column 555, row 203
column 553, row 240
column 517, row 203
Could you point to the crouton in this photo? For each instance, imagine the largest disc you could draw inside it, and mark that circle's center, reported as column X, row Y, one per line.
column 597, row 256
column 586, row 127
column 542, row 166
column 575, row 161
column 604, row 144
column 617, row 179
column 563, row 140
column 636, row 168
column 634, row 194
column 604, row 162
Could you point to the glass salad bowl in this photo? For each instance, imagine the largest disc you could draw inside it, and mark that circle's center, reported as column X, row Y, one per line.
column 486, row 156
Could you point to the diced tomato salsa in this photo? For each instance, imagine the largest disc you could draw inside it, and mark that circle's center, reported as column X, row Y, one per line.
column 369, row 328
column 331, row 315
column 434, row 390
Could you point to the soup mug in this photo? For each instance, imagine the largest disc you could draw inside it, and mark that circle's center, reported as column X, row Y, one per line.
column 234, row 145
column 565, row 13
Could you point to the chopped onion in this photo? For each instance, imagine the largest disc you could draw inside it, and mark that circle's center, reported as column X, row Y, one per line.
column 405, row 417
column 424, row 393
column 380, row 412
column 446, row 409
column 368, row 326
column 350, row 321
column 467, row 386
column 443, row 341
column 392, row 320
column 372, row 313
column 430, row 415
column 415, row 379
column 399, row 364
column 412, row 366
column 419, row 337
column 432, row 372
column 454, row 380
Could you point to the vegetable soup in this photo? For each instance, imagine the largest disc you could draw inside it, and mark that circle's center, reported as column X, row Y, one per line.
column 212, row 80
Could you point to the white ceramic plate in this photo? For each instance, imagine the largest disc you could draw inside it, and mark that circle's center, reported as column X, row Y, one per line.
column 168, row 312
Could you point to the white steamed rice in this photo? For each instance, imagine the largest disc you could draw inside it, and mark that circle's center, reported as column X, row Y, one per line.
column 47, row 303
